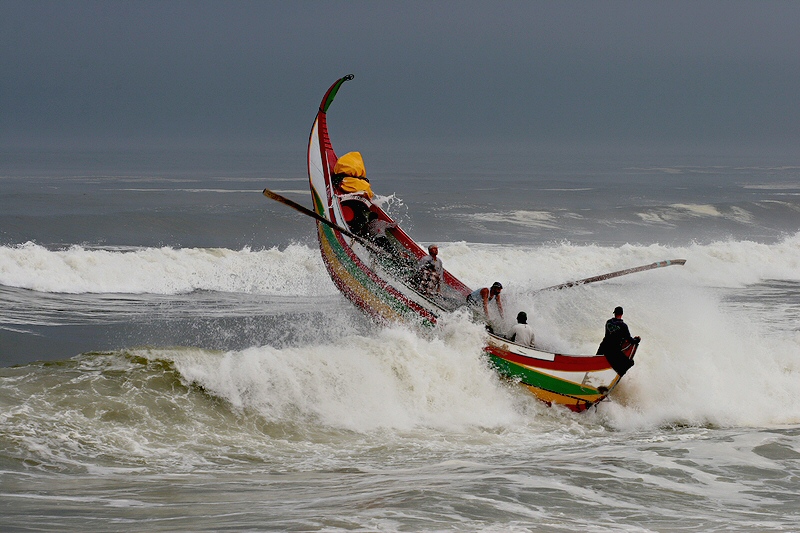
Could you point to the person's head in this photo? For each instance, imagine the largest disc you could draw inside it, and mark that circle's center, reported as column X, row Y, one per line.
column 433, row 250
column 618, row 311
column 522, row 317
column 372, row 216
column 496, row 287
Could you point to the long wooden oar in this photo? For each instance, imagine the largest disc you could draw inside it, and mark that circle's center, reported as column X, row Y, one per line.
column 616, row 274
column 294, row 205
column 306, row 211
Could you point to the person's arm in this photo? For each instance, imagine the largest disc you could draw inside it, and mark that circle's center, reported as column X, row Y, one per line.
column 626, row 333
column 485, row 297
column 634, row 340
column 500, row 306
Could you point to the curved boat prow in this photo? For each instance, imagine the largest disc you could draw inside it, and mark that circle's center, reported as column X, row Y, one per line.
column 327, row 100
column 321, row 157
column 371, row 281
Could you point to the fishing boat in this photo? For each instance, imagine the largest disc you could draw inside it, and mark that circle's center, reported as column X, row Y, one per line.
column 377, row 273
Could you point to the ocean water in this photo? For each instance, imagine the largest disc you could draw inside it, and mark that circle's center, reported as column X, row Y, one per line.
column 174, row 357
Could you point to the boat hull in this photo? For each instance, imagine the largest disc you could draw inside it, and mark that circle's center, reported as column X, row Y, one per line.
column 574, row 381
column 387, row 293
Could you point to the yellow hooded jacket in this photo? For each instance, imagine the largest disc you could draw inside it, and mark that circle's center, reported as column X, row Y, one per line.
column 351, row 166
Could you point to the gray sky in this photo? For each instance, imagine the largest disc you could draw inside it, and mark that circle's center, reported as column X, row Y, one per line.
column 232, row 72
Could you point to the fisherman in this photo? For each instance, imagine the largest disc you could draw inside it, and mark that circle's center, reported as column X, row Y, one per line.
column 350, row 175
column 617, row 333
column 522, row 333
column 376, row 231
column 430, row 272
column 484, row 296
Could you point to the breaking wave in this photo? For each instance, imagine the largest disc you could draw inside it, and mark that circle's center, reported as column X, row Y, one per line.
column 706, row 357
column 294, row 270
column 298, row 270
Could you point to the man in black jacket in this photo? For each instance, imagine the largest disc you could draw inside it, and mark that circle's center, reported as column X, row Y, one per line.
column 617, row 333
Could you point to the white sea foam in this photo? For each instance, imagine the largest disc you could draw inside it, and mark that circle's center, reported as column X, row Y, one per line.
column 533, row 219
column 772, row 186
column 294, row 270
column 395, row 379
column 699, row 363
column 681, row 212
column 787, row 205
column 298, row 269
column 702, row 361
column 719, row 264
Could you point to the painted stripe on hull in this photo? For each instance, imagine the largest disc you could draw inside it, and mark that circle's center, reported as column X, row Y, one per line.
column 530, row 376
column 554, row 391
column 564, row 363
column 577, row 404
column 362, row 287
column 357, row 287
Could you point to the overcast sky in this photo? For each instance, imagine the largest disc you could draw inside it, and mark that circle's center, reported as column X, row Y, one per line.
column 253, row 72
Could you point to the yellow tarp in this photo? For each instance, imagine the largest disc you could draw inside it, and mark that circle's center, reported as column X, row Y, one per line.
column 351, row 165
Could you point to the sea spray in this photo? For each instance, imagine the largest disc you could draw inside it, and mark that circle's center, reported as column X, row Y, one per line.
column 395, row 379
column 705, row 358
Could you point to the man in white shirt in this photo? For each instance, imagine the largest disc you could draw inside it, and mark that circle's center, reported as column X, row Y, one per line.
column 522, row 333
